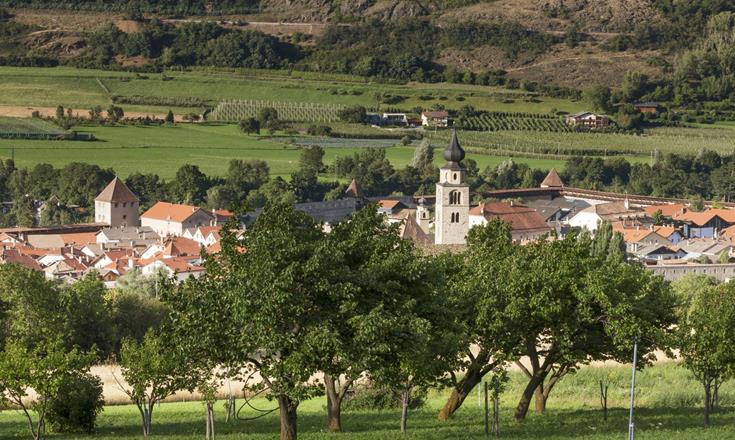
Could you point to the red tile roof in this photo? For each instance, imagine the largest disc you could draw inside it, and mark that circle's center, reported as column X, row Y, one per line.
column 704, row 217
column 521, row 218
column 116, row 191
column 552, row 180
column 171, row 211
column 667, row 210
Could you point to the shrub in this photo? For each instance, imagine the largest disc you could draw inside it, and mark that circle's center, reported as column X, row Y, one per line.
column 355, row 114
column 319, row 130
column 378, row 398
column 76, row 406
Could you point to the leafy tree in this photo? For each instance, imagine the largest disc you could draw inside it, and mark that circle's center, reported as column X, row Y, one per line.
column 32, row 306
column 268, row 117
column 152, row 372
column 423, row 156
column 77, row 403
column 60, row 112
column 23, row 212
column 579, row 307
column 95, row 113
column 485, row 310
column 148, row 187
column 380, row 288
column 115, row 113
column 250, row 126
column 169, row 117
column 355, row 114
column 263, row 311
column 427, row 349
column 276, row 191
column 689, row 287
column 190, row 185
column 311, row 159
column 41, row 369
column 599, row 98
column 79, row 183
column 705, row 342
column 88, row 322
column 133, row 314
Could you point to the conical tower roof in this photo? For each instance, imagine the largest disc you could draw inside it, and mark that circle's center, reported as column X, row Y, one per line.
column 552, row 180
column 454, row 152
column 353, row 190
column 116, row 191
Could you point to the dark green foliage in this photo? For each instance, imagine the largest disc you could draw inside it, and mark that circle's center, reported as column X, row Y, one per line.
column 170, row 117
column 250, row 126
column 512, row 37
column 76, row 405
column 378, row 398
column 355, row 114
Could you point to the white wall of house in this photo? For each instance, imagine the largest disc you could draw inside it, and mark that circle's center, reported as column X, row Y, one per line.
column 585, row 220
column 165, row 227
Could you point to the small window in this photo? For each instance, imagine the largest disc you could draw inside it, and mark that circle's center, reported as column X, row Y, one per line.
column 115, row 204
column 455, row 176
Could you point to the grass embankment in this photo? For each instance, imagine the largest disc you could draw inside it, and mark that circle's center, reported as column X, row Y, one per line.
column 667, row 408
column 163, row 150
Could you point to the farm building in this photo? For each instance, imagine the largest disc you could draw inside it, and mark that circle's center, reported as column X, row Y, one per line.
column 395, row 119
column 435, row 119
column 588, row 120
column 646, row 107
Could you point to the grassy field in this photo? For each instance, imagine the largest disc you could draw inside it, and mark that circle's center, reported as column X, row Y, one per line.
column 80, row 88
column 31, row 125
column 163, row 150
column 668, row 408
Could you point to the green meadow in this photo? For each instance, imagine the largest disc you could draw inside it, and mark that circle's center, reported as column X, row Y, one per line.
column 163, row 150
column 668, row 407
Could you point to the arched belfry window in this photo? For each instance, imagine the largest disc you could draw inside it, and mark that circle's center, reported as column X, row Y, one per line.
column 455, row 198
column 454, row 217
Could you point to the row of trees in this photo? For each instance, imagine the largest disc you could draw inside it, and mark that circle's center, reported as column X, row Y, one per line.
column 248, row 183
column 310, row 313
column 50, row 335
column 361, row 303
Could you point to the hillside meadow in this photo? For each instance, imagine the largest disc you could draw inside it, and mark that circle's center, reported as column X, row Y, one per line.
column 667, row 407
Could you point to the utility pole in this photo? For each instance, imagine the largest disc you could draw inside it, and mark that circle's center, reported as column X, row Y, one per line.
column 631, row 424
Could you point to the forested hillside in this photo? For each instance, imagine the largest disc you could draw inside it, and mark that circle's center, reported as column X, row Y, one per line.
column 570, row 43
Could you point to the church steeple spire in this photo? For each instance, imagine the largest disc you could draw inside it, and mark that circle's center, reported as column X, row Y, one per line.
column 454, row 152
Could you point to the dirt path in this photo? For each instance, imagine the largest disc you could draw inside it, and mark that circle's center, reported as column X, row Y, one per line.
column 26, row 112
column 602, row 57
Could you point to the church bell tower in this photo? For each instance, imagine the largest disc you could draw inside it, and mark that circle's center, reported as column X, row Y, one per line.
column 452, row 197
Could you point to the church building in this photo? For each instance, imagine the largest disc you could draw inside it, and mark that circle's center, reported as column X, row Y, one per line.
column 452, row 197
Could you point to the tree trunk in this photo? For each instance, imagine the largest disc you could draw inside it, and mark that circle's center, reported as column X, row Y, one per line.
column 460, row 392
column 334, row 403
column 144, row 416
column 288, row 417
column 405, row 400
column 707, row 402
column 528, row 393
column 539, row 399
column 603, row 399
column 210, row 421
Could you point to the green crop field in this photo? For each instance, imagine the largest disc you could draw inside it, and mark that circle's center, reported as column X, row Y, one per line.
column 80, row 88
column 668, row 408
column 163, row 150
column 719, row 137
column 29, row 125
